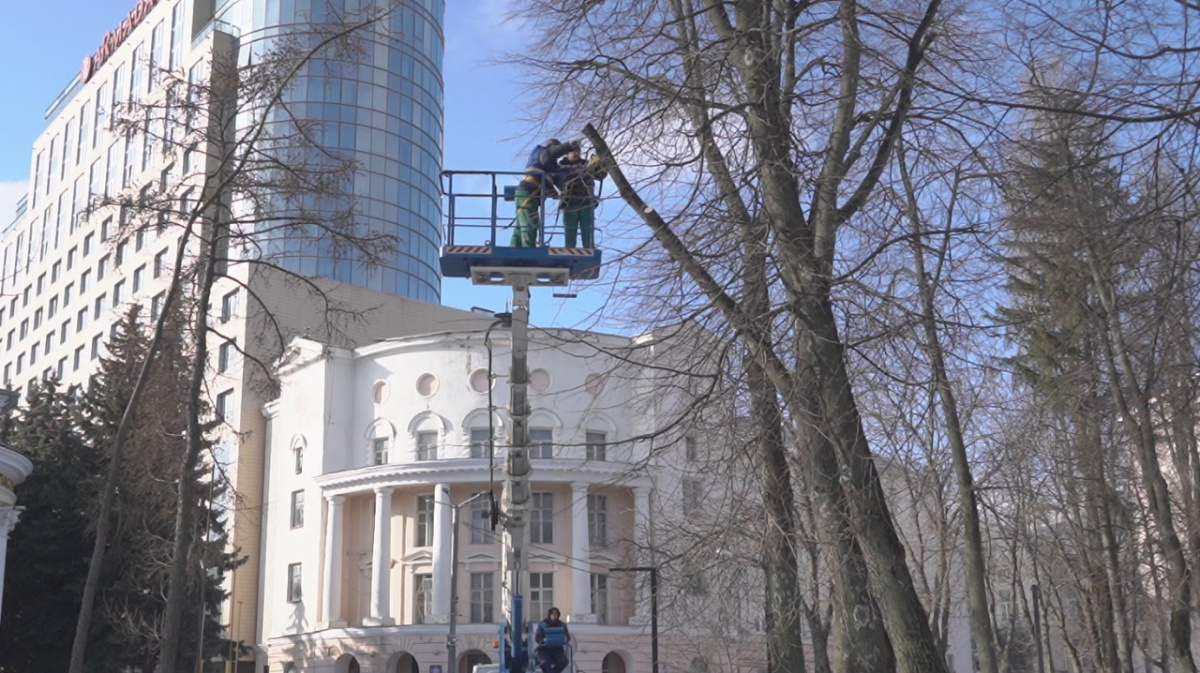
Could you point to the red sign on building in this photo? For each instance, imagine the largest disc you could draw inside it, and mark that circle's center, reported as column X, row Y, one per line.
column 114, row 38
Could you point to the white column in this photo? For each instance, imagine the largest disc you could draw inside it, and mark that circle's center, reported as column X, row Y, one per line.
column 442, row 532
column 581, row 580
column 8, row 520
column 332, row 582
column 641, row 540
column 381, row 561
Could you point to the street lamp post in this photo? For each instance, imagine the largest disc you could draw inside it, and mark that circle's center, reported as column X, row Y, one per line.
column 653, row 608
column 452, row 635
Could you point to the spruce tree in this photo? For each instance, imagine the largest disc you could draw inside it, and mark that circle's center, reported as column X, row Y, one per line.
column 144, row 512
column 48, row 551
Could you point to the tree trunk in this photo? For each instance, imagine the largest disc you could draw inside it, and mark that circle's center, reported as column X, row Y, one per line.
column 186, row 499
column 976, row 575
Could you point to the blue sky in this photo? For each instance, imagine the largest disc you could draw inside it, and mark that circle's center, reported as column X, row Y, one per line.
column 42, row 43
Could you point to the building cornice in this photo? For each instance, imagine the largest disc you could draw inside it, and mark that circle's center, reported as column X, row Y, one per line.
column 474, row 470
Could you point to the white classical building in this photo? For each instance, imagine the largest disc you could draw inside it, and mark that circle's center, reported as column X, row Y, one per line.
column 368, row 452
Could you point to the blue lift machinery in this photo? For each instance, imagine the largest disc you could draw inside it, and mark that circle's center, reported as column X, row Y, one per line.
column 478, row 208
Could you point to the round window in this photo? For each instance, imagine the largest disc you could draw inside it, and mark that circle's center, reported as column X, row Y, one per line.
column 539, row 380
column 427, row 385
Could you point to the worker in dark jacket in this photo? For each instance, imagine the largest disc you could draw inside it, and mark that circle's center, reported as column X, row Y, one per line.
column 540, row 182
column 578, row 197
column 552, row 637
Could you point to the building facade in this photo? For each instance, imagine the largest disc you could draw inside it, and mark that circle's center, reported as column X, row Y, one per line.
column 71, row 270
column 371, row 451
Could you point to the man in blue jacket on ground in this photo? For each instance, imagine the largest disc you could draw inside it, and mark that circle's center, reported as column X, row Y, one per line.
column 552, row 637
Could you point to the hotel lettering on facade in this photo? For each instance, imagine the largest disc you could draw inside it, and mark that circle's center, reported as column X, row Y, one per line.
column 68, row 278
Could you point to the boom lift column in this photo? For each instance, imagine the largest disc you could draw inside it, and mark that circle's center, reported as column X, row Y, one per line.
column 516, row 486
column 473, row 224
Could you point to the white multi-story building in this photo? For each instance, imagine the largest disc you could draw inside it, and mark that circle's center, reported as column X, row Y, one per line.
column 371, row 450
column 68, row 275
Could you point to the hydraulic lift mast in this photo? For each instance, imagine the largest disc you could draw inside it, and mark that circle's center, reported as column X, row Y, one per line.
column 516, row 485
column 473, row 226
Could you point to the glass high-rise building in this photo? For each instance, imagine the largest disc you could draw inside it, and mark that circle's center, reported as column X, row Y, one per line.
column 383, row 108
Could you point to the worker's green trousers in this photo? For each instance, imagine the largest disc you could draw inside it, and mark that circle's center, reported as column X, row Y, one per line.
column 580, row 220
column 525, row 233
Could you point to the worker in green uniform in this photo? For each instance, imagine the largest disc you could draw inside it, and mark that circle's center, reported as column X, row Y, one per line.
column 540, row 181
column 578, row 197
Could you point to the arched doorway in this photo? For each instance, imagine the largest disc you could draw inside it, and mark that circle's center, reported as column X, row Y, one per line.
column 470, row 659
column 613, row 663
column 346, row 664
column 404, row 662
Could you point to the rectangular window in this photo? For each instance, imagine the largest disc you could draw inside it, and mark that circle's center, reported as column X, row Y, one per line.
column 85, row 130
column 594, row 445
column 225, row 357
column 482, row 598
column 33, row 354
column 229, row 306
column 128, row 163
column 96, row 341
column 41, row 284
column 67, row 292
column 137, row 78
column 78, row 359
column 100, row 306
column 112, row 169
column 541, row 519
column 159, row 262
column 122, row 248
column 52, row 308
column 81, row 320
column 156, row 45
column 424, row 521
column 118, row 293
column 156, row 305
column 691, row 496
column 427, row 445
column 49, row 342
column 597, row 510
column 24, row 328
column 8, row 343
column 64, row 331
column 379, row 450
column 480, row 439
column 84, row 279
column 541, row 443
column 87, row 244
column 37, row 318
column 61, row 369
column 541, row 594
column 20, row 363
column 55, row 272
column 297, row 509
column 102, row 267
column 138, row 275
column 139, row 239
column 422, row 597
column 224, row 405
column 600, row 598
column 481, row 521
column 7, row 375
column 293, row 577
column 176, row 48
column 71, row 254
